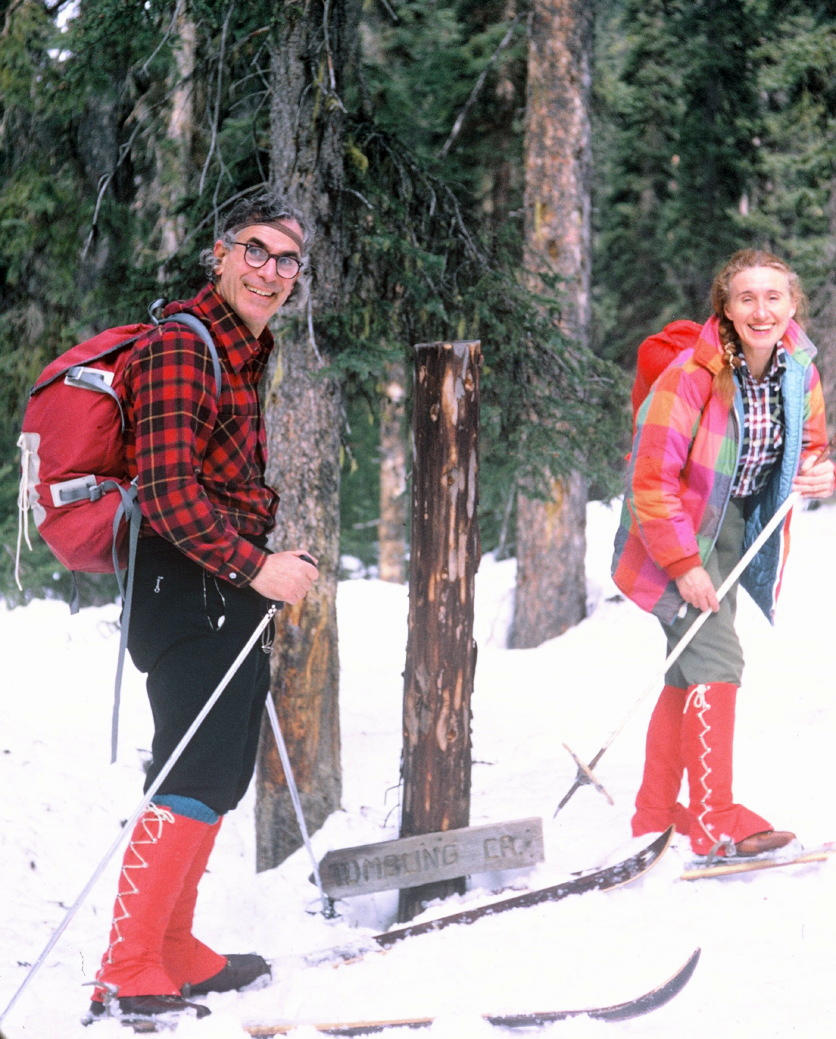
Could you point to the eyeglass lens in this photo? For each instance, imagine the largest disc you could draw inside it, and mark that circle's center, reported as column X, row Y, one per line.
column 287, row 266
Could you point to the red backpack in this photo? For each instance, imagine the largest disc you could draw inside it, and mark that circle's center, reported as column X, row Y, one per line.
column 656, row 352
column 73, row 472
column 74, row 475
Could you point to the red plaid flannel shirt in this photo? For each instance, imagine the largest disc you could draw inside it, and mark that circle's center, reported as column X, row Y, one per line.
column 200, row 461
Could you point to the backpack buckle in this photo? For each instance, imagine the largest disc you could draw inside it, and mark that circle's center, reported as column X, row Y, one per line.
column 82, row 488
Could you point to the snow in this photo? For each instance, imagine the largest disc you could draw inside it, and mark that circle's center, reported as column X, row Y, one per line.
column 766, row 938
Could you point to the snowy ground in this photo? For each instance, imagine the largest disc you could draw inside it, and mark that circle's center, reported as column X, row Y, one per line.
column 767, row 939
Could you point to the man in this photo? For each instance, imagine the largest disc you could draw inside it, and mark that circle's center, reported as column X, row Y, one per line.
column 203, row 580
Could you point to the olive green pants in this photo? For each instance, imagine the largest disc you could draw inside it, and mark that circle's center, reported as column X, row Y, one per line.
column 714, row 653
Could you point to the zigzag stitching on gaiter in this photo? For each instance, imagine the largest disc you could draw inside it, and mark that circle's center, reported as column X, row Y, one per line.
column 154, row 815
column 701, row 708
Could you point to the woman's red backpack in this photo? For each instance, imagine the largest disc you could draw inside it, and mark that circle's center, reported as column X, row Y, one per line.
column 656, row 352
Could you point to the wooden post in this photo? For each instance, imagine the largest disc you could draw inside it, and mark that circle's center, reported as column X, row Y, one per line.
column 445, row 550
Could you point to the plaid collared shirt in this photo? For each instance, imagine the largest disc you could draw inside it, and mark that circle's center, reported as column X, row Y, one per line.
column 200, row 461
column 763, row 426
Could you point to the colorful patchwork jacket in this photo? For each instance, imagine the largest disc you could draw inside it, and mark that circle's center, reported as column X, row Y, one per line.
column 682, row 465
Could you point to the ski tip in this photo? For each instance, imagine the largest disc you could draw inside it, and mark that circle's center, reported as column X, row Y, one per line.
column 680, row 979
column 677, row 982
column 662, row 842
column 651, row 853
column 656, row 997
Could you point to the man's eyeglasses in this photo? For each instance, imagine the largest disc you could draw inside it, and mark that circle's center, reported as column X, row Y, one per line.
column 287, row 265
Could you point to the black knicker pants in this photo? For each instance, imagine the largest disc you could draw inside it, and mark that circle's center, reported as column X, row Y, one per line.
column 186, row 629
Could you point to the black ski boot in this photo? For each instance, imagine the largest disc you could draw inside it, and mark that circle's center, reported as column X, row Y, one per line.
column 136, row 1009
column 241, row 969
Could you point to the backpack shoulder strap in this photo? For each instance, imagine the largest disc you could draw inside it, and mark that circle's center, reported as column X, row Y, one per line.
column 183, row 317
column 129, row 511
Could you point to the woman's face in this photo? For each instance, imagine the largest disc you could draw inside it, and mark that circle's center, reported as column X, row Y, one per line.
column 760, row 307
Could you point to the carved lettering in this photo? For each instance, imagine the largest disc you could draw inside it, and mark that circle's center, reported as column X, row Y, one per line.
column 429, row 858
column 372, row 869
column 343, row 874
column 450, row 854
column 412, row 861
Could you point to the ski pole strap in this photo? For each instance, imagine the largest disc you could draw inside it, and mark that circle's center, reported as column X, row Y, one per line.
column 128, row 510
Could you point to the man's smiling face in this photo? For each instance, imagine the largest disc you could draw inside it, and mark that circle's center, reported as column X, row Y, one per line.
column 255, row 293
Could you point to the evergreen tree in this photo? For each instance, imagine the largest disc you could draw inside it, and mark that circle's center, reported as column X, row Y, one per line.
column 715, row 43
column 794, row 171
column 638, row 108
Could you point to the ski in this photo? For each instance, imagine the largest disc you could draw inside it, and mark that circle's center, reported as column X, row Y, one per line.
column 732, row 867
column 619, row 873
column 605, row 879
column 643, row 1004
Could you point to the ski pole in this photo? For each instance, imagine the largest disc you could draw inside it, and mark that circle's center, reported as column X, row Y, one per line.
column 146, row 800
column 585, row 774
column 327, row 903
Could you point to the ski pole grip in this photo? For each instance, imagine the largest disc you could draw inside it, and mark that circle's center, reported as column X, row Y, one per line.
column 277, row 602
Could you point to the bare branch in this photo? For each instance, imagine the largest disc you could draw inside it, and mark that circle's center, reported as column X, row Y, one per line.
column 477, row 88
column 217, row 105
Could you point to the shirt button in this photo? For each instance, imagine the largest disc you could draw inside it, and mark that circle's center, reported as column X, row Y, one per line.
column 232, row 575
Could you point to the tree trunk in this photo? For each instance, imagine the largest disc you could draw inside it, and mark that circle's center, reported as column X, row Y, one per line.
column 550, row 592
column 441, row 653
column 314, row 46
column 550, row 564
column 391, row 528
column 304, row 664
column 175, row 163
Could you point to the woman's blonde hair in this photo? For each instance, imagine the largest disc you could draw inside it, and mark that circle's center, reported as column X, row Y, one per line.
column 744, row 260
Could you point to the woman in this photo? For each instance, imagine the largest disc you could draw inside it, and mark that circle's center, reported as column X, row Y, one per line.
column 728, row 430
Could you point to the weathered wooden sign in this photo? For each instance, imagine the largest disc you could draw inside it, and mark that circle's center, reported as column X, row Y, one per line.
column 413, row 861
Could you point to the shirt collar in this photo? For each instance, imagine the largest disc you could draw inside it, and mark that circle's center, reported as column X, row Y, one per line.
column 230, row 333
column 777, row 364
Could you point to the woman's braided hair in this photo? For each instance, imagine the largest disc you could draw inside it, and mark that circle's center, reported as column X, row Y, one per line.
column 743, row 260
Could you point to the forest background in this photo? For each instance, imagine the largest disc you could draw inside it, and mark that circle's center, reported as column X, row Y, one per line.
column 404, row 128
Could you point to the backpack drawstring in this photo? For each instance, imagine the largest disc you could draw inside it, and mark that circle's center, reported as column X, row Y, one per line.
column 23, row 503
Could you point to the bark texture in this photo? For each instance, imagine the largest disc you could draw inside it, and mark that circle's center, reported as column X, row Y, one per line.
column 176, row 161
column 313, row 49
column 391, row 528
column 441, row 653
column 551, row 584
column 550, row 591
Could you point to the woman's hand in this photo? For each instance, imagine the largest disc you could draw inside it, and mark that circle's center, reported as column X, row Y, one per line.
column 697, row 589
column 815, row 479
